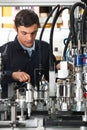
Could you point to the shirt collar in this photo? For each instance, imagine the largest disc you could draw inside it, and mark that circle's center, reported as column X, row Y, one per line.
column 28, row 49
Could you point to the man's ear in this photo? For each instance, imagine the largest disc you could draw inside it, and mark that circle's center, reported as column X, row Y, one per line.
column 15, row 28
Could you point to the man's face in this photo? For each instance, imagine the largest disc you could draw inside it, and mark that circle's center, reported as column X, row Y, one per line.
column 26, row 35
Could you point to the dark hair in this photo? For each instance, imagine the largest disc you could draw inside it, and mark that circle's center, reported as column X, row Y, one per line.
column 26, row 18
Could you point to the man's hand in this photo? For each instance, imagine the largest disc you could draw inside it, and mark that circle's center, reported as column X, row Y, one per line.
column 21, row 76
column 58, row 66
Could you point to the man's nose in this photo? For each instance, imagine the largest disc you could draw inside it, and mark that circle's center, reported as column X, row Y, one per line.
column 29, row 36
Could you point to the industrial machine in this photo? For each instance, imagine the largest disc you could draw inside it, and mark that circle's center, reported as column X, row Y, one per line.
column 60, row 103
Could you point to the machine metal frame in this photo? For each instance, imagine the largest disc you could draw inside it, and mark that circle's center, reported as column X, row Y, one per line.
column 36, row 2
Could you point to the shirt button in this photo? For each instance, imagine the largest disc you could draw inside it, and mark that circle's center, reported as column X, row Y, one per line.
column 25, row 51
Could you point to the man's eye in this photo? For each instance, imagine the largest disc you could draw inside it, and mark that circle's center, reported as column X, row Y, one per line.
column 34, row 32
column 24, row 33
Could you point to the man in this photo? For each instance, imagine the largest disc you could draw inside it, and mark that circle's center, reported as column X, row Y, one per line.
column 25, row 59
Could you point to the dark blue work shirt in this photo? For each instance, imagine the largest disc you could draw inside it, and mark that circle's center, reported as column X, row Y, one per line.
column 15, row 58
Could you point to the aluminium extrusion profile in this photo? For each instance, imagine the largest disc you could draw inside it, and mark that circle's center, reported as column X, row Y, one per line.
column 36, row 2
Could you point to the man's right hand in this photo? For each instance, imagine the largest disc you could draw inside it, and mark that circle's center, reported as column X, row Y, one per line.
column 21, row 76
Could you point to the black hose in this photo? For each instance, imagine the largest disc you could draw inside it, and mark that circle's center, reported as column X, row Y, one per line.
column 72, row 21
column 85, row 1
column 53, row 25
column 40, row 38
column 72, row 34
column 41, row 34
column 52, row 29
column 58, row 12
column 51, row 60
column 84, row 26
column 42, row 31
column 66, row 45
